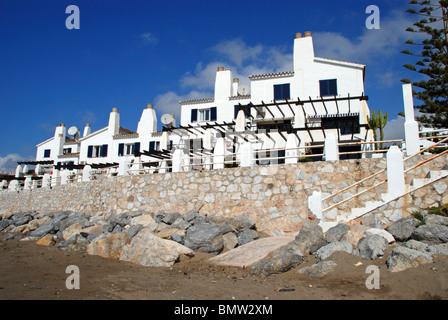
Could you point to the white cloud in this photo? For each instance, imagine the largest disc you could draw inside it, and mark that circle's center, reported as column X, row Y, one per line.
column 148, row 38
column 244, row 60
column 8, row 163
column 394, row 129
column 369, row 45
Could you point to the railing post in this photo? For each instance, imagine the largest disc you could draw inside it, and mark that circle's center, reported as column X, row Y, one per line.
column 218, row 154
column 55, row 178
column 395, row 172
column 315, row 204
column 14, row 185
column 331, row 148
column 123, row 167
column 27, row 183
column 410, row 125
column 292, row 155
column 19, row 171
column 178, row 156
column 86, row 173
column 46, row 180
column 246, row 155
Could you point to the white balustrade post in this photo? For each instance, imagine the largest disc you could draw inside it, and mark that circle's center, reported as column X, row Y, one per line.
column 315, row 204
column 123, row 166
column 86, row 173
column 178, row 156
column 411, row 131
column 395, row 172
column 27, row 183
column 292, row 155
column 331, row 148
column 46, row 180
column 219, row 154
column 55, row 178
column 246, row 155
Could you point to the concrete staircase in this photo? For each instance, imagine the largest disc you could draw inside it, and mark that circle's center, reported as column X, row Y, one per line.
column 385, row 198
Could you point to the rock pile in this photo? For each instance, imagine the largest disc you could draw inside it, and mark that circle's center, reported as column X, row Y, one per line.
column 414, row 242
column 141, row 237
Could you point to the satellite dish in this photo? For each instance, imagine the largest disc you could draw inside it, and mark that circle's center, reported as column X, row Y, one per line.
column 243, row 90
column 73, row 131
column 167, row 119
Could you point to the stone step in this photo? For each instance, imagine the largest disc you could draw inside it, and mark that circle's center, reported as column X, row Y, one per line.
column 385, row 198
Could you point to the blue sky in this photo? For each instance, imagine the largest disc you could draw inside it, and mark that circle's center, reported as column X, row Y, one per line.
column 130, row 53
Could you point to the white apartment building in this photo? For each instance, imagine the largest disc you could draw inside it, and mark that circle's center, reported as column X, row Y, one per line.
column 290, row 109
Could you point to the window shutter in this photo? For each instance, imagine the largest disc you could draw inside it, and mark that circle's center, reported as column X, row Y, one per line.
column 213, row 114
column 277, row 92
column 333, row 88
column 104, row 150
column 120, row 149
column 152, row 145
column 194, row 115
column 136, row 148
column 89, row 151
column 171, row 144
column 286, row 93
column 235, row 112
column 47, row 153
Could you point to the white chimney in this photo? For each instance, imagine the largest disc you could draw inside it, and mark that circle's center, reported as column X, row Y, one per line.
column 236, row 82
column 223, row 84
column 86, row 130
column 148, row 121
column 114, row 122
column 303, row 50
column 59, row 138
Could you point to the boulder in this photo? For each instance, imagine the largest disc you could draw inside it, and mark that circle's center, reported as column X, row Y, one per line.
column 75, row 243
column 280, row 260
column 336, row 233
column 21, row 218
column 381, row 232
column 122, row 219
column 371, row 246
column 436, row 219
column 403, row 228
column 43, row 230
column 355, row 233
column 167, row 233
column 402, row 258
column 230, row 240
column 318, row 269
column 148, row 250
column 143, row 220
column 438, row 249
column 4, row 223
column 204, row 237
column 108, row 245
column 237, row 224
column 247, row 236
column 190, row 215
column 180, row 223
column 133, row 230
column 169, row 218
column 71, row 230
column 435, row 233
column 46, row 241
column 310, row 235
column 338, row 246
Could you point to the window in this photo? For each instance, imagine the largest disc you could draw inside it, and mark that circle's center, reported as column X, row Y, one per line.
column 328, row 87
column 154, row 146
column 209, row 114
column 349, row 124
column 67, row 150
column 97, row 151
column 281, row 91
column 47, row 153
column 128, row 149
column 237, row 109
column 277, row 126
column 204, row 115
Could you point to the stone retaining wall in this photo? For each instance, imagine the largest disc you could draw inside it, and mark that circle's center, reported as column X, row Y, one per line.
column 275, row 197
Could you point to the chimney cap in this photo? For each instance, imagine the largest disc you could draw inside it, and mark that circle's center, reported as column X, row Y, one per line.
column 149, row 106
column 307, row 33
column 220, row 68
column 114, row 109
column 298, row 35
column 87, row 124
column 236, row 80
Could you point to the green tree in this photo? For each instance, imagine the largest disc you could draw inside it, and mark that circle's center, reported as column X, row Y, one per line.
column 375, row 122
column 432, row 54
